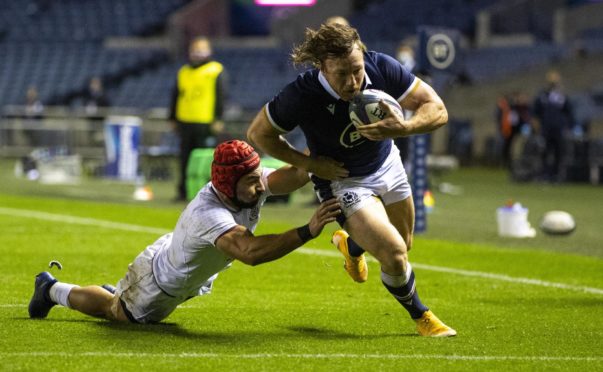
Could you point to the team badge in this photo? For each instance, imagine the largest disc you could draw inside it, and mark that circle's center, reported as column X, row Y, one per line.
column 254, row 213
column 350, row 198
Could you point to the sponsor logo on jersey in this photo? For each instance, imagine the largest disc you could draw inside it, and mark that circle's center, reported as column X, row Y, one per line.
column 350, row 137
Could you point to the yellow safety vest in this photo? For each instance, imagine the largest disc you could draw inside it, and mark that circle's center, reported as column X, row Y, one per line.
column 197, row 93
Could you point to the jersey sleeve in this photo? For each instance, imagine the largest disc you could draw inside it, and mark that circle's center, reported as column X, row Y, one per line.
column 265, row 173
column 215, row 223
column 399, row 81
column 282, row 108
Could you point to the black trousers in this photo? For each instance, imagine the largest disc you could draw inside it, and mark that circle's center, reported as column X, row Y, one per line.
column 192, row 136
column 552, row 156
column 507, row 145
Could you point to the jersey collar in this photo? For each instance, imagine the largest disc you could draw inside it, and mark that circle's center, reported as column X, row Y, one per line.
column 325, row 84
column 226, row 205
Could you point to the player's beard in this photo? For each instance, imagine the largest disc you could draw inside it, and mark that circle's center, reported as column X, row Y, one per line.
column 245, row 205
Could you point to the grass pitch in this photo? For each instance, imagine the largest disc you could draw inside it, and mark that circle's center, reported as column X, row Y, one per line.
column 516, row 304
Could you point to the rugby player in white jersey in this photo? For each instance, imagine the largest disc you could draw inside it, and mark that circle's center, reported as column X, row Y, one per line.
column 215, row 229
column 358, row 165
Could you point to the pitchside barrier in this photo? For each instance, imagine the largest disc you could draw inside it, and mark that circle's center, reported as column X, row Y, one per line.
column 198, row 171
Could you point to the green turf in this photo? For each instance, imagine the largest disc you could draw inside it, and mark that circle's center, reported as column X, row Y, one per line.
column 471, row 217
column 303, row 312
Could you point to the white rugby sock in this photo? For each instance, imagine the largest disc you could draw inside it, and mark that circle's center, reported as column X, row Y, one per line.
column 59, row 293
column 397, row 281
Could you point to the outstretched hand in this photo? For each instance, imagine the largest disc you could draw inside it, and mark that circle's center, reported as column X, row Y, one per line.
column 326, row 213
column 393, row 125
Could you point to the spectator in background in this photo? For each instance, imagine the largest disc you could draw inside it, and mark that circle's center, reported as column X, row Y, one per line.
column 95, row 96
column 94, row 99
column 197, row 104
column 513, row 117
column 553, row 116
column 34, row 109
column 405, row 54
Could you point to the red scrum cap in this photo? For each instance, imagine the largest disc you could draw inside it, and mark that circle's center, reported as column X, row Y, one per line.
column 232, row 160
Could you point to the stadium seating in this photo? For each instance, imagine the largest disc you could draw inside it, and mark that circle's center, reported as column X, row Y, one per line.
column 61, row 70
column 83, row 20
column 489, row 63
column 404, row 16
column 591, row 40
column 254, row 75
column 56, row 45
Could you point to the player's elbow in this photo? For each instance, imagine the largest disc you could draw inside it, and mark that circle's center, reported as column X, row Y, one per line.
column 443, row 115
column 249, row 256
column 250, row 260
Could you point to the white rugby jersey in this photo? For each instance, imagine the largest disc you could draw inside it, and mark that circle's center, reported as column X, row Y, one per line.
column 186, row 261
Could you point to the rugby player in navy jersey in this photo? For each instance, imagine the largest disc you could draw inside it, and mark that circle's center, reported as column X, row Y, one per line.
column 359, row 166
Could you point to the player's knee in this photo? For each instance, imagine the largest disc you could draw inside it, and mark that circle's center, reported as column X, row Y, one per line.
column 408, row 241
column 115, row 311
column 400, row 260
column 395, row 263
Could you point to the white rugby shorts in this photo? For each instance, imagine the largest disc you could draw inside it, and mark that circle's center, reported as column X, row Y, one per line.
column 389, row 183
column 138, row 291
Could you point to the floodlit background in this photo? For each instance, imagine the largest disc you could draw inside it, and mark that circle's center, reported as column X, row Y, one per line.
column 532, row 302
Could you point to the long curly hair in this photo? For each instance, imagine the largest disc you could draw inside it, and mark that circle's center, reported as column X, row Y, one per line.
column 329, row 41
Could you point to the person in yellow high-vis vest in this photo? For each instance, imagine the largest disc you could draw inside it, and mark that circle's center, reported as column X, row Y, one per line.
column 197, row 104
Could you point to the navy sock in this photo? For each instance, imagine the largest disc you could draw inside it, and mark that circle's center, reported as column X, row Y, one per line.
column 406, row 294
column 354, row 249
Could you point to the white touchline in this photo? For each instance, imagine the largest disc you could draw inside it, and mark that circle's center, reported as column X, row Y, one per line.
column 318, row 252
column 80, row 220
column 478, row 274
column 535, row 358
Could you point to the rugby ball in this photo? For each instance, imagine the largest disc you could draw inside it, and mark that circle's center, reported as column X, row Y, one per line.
column 557, row 223
column 364, row 107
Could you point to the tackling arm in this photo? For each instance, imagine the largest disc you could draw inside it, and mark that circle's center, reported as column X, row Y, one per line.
column 241, row 244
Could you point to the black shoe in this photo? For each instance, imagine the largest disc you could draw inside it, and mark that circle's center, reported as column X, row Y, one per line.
column 109, row 288
column 40, row 303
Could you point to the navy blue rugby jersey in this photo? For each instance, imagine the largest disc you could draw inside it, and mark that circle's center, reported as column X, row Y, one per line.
column 310, row 103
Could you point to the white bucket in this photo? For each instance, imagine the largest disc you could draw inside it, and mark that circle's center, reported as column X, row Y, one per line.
column 513, row 222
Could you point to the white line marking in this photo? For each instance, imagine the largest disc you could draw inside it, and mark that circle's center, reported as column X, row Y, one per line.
column 319, row 252
column 80, row 220
column 535, row 358
column 25, row 305
column 478, row 274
